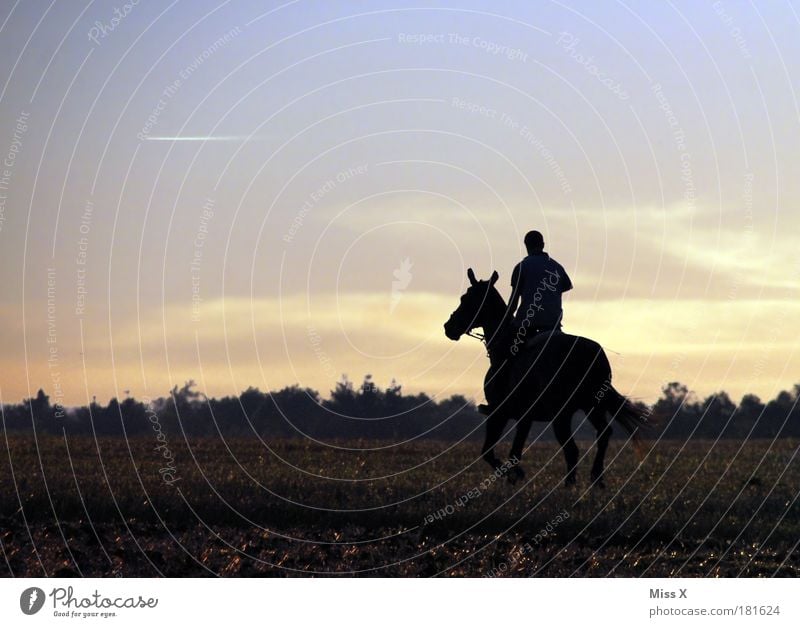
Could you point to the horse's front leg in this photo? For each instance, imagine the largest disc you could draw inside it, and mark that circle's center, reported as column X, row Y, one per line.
column 494, row 430
column 562, row 426
column 515, row 472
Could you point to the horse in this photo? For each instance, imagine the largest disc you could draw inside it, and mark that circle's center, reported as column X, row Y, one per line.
column 549, row 378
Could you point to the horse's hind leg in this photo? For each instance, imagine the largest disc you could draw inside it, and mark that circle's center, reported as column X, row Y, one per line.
column 562, row 427
column 597, row 417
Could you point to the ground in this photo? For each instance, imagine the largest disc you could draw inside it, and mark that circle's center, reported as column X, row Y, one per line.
column 241, row 507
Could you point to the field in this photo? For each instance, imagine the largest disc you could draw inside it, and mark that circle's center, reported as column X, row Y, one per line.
column 111, row 507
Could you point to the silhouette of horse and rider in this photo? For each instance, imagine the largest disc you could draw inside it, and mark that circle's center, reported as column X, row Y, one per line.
column 536, row 371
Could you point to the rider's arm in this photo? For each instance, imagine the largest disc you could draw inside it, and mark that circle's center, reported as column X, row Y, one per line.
column 516, row 292
column 567, row 284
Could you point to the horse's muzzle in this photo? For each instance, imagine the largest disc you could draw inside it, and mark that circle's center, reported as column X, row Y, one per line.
column 451, row 332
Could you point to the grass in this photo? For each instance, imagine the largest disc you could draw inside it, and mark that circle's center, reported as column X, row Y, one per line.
column 101, row 508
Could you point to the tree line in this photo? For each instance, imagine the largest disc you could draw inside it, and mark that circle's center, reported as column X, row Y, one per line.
column 367, row 411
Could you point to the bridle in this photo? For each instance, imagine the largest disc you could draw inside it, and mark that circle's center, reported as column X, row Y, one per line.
column 482, row 338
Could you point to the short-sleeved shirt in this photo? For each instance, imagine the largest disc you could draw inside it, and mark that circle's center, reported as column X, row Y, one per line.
column 541, row 281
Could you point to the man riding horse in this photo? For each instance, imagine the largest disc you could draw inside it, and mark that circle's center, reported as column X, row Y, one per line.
column 537, row 283
column 550, row 381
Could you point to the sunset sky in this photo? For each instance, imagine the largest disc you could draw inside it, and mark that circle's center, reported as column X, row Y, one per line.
column 214, row 191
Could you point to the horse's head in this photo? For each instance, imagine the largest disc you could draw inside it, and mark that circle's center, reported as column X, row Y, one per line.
column 469, row 313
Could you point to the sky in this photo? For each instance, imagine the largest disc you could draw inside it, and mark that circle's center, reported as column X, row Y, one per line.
column 268, row 194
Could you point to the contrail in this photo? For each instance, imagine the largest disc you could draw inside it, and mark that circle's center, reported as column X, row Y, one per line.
column 210, row 138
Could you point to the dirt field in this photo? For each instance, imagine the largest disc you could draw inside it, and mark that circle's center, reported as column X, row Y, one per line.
column 113, row 507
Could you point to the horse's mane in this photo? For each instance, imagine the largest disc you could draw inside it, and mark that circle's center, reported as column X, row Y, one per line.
column 503, row 332
column 497, row 296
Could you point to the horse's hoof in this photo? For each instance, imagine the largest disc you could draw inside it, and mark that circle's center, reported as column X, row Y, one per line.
column 570, row 482
column 599, row 484
column 515, row 474
column 494, row 463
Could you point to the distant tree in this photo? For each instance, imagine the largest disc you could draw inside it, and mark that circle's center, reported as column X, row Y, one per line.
column 40, row 405
column 134, row 416
column 744, row 421
column 676, row 411
column 294, row 411
column 715, row 415
column 369, row 412
column 344, row 399
column 781, row 415
column 41, row 412
column 177, row 414
column 370, row 399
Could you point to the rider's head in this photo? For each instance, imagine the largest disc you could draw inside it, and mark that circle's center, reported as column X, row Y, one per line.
column 534, row 242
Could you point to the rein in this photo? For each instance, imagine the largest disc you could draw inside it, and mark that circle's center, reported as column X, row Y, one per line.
column 486, row 342
column 482, row 338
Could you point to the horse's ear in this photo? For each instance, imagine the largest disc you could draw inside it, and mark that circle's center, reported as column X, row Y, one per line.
column 494, row 278
column 471, row 276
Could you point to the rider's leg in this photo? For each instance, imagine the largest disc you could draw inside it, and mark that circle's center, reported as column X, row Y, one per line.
column 493, row 389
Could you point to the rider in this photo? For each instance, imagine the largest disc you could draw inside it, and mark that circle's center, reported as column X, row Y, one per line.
column 537, row 284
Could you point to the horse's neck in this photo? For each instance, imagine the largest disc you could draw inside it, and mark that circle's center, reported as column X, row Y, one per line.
column 495, row 322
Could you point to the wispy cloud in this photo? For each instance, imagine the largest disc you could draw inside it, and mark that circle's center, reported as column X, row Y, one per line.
column 205, row 138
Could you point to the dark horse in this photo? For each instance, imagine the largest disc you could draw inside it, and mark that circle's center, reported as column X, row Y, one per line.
column 549, row 379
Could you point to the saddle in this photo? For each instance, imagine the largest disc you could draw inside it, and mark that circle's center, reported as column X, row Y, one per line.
column 534, row 340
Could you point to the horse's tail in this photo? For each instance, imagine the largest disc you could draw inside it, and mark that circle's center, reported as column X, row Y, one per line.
column 631, row 418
